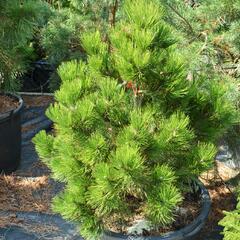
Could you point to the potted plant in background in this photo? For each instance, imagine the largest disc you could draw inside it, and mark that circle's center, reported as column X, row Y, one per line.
column 133, row 133
column 19, row 20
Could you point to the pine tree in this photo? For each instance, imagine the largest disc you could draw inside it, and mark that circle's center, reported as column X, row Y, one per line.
column 19, row 20
column 129, row 118
column 208, row 27
column 61, row 37
column 231, row 224
column 208, row 35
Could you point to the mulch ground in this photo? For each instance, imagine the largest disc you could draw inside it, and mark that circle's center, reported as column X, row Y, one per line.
column 221, row 193
column 25, row 194
column 7, row 104
column 37, row 101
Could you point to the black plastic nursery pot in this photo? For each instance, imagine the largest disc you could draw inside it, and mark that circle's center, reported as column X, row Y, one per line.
column 10, row 137
column 188, row 232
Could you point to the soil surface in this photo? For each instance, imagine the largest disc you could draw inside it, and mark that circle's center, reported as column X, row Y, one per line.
column 7, row 104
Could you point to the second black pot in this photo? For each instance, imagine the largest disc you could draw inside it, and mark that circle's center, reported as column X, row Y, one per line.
column 10, row 137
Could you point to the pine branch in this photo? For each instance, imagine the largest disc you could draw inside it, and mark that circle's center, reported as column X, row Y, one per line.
column 205, row 42
column 114, row 10
column 182, row 17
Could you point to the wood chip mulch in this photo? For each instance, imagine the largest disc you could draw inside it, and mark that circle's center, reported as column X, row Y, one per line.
column 7, row 104
column 37, row 101
column 221, row 193
column 25, row 194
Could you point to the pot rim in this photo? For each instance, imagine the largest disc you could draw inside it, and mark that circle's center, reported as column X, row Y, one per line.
column 188, row 231
column 5, row 116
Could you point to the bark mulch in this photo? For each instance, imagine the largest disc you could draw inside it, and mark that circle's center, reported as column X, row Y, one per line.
column 25, row 194
column 222, row 196
column 7, row 104
column 37, row 101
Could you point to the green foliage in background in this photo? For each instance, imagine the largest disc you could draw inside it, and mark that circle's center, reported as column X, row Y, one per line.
column 131, row 127
column 208, row 35
column 58, row 3
column 208, row 28
column 61, row 37
column 19, row 21
column 231, row 224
